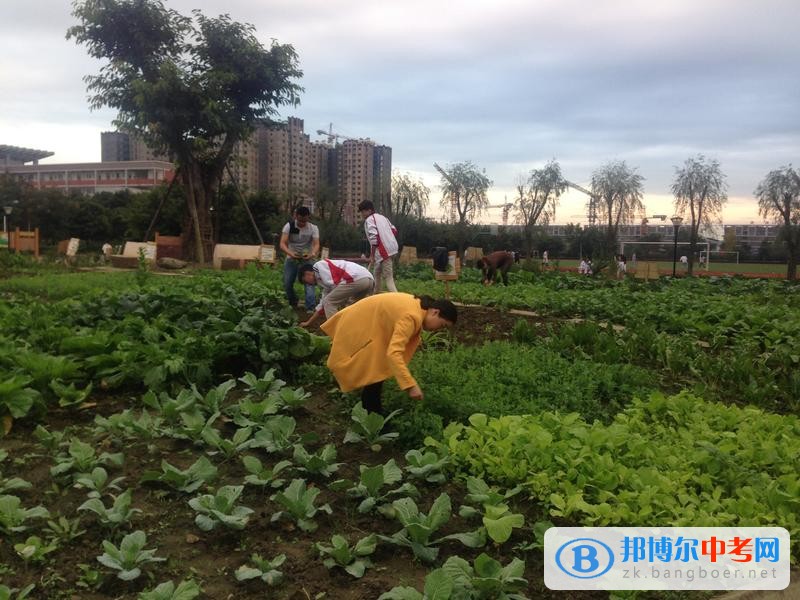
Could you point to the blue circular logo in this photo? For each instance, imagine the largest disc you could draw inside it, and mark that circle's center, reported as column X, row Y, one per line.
column 584, row 558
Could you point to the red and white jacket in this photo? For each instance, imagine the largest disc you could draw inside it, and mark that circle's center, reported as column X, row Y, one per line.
column 330, row 273
column 381, row 235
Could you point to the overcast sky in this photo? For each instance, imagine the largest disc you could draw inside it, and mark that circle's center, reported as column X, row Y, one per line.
column 506, row 84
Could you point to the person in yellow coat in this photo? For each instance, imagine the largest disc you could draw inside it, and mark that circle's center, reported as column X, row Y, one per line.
column 375, row 338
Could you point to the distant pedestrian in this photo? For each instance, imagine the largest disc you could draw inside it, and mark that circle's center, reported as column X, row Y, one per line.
column 341, row 281
column 545, row 259
column 300, row 243
column 583, row 268
column 106, row 249
column 383, row 245
column 622, row 266
column 633, row 260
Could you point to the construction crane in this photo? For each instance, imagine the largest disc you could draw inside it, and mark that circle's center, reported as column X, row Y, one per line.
column 591, row 206
column 333, row 138
column 506, row 206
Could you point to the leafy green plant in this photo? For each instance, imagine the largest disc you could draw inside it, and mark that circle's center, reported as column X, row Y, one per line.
column 427, row 465
column 438, row 586
column 34, row 549
column 263, row 386
column 130, row 557
column 263, row 569
column 221, row 509
column 418, row 528
column 69, row 395
column 262, row 476
column 497, row 516
column 97, row 482
column 51, row 441
column 14, row 518
column 118, row 514
column 298, row 502
column 188, row 480
column 355, row 560
column 90, row 578
column 293, row 398
column 126, row 425
column 185, row 590
column 276, row 435
column 370, row 486
column 82, row 458
column 16, row 397
column 367, row 427
column 214, row 398
column 64, row 530
column 13, row 484
column 487, row 578
column 228, row 447
column 171, row 408
column 319, row 463
column 7, row 593
column 254, row 413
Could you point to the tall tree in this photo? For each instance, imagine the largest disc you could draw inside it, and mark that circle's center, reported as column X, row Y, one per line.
column 537, row 199
column 779, row 199
column 619, row 189
column 464, row 197
column 699, row 188
column 191, row 87
column 410, row 196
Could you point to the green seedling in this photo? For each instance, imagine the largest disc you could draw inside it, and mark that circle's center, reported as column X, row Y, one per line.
column 487, row 578
column 64, row 530
column 82, row 458
column 14, row 518
column 371, row 483
column 320, row 463
column 298, row 502
column 221, row 509
column 438, row 586
column 7, row 593
column 262, row 476
column 367, row 427
column 355, row 560
column 126, row 425
column 97, row 482
column 265, row 570
column 427, row 466
column 128, row 559
column 118, row 514
column 34, row 549
column 187, row 480
column 69, row 395
column 261, row 387
column 185, row 590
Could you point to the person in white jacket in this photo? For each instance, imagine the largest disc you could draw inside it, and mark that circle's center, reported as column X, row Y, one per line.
column 341, row 281
column 383, row 245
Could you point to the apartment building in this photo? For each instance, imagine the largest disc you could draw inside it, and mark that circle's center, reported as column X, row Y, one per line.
column 90, row 178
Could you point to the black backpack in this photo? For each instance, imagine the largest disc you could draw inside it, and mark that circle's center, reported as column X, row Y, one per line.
column 441, row 259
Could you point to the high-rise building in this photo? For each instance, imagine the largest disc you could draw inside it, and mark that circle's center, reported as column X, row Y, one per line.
column 280, row 158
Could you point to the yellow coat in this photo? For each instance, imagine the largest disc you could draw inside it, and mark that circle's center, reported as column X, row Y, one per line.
column 374, row 339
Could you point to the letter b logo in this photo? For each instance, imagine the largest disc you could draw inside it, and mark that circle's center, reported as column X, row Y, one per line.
column 584, row 558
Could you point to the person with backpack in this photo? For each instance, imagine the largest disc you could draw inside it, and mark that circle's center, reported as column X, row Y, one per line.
column 383, row 245
column 300, row 243
column 375, row 339
column 341, row 281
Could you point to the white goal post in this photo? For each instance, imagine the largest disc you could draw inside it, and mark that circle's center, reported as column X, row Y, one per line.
column 713, row 252
column 669, row 245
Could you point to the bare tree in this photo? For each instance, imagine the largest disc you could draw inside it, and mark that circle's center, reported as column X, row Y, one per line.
column 779, row 199
column 619, row 189
column 699, row 189
column 538, row 198
column 410, row 197
column 464, row 196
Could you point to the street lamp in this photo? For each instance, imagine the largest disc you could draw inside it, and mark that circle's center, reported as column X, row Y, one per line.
column 6, row 213
column 676, row 223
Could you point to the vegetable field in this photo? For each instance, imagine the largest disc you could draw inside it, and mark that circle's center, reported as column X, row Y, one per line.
column 179, row 437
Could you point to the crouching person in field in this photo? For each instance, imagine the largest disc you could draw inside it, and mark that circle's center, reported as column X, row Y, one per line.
column 492, row 263
column 341, row 281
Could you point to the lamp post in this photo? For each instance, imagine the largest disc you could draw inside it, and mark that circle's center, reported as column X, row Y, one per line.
column 676, row 223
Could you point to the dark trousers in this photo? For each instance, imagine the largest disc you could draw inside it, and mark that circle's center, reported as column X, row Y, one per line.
column 371, row 397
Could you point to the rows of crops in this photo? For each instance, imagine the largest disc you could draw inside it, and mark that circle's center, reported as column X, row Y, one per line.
column 180, row 438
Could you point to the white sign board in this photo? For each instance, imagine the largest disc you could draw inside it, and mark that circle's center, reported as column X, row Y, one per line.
column 267, row 254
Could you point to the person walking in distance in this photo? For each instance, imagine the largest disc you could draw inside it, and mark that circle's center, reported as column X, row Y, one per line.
column 300, row 243
column 375, row 339
column 383, row 245
column 341, row 281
